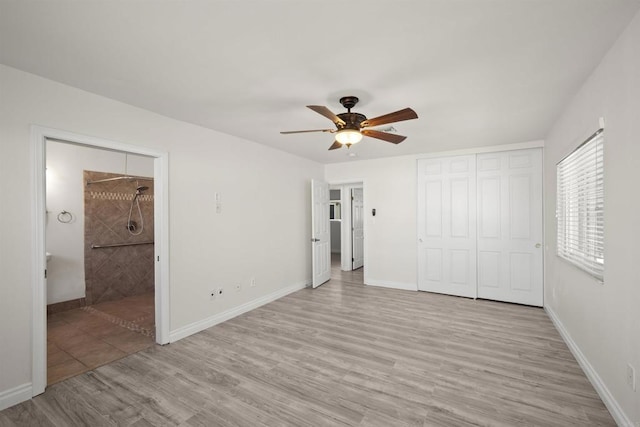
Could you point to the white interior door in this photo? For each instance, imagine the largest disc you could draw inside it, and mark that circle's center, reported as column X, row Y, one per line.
column 320, row 233
column 510, row 226
column 357, row 232
column 447, row 225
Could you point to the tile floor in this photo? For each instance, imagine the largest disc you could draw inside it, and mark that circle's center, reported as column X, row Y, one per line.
column 82, row 339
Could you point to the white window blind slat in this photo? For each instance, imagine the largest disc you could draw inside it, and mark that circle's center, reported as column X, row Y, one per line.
column 580, row 206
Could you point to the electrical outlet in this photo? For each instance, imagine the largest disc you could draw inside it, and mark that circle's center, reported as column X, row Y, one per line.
column 238, row 287
column 252, row 282
column 631, row 377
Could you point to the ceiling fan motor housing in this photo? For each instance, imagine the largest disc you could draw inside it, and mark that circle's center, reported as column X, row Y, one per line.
column 349, row 102
column 352, row 120
column 351, row 127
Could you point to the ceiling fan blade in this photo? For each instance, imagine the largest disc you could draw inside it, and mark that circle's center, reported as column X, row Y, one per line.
column 335, row 145
column 328, row 114
column 389, row 137
column 396, row 116
column 306, row 131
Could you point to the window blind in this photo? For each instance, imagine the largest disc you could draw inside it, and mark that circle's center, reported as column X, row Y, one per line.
column 580, row 206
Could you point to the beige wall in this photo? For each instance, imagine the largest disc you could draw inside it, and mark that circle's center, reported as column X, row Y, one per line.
column 603, row 320
column 262, row 231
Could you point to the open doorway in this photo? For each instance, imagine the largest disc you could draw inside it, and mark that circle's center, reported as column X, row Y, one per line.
column 347, row 226
column 100, row 250
column 158, row 304
column 335, row 218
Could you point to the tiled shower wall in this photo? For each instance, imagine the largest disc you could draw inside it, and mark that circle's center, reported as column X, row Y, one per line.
column 115, row 273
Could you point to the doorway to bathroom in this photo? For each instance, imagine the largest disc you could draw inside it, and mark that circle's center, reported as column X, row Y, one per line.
column 104, row 229
column 100, row 249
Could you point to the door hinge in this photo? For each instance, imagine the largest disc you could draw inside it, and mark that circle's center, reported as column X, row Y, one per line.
column 45, row 273
column 352, row 259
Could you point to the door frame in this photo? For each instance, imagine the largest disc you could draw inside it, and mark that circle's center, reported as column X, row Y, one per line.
column 352, row 231
column 346, row 250
column 38, row 138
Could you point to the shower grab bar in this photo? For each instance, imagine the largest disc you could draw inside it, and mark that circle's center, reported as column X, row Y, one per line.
column 120, row 178
column 115, row 245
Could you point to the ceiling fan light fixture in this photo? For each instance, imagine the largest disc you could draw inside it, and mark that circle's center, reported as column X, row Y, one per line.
column 351, row 127
column 348, row 136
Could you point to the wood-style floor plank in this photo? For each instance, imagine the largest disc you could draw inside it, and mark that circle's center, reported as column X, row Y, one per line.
column 343, row 354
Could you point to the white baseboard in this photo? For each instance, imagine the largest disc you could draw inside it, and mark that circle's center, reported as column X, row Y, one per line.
column 203, row 324
column 15, row 395
column 23, row 392
column 610, row 402
column 392, row 285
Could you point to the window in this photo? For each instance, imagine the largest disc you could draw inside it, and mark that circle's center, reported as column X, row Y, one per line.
column 580, row 206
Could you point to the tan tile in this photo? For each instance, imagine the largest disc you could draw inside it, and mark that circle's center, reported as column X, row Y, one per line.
column 56, row 317
column 53, row 323
column 109, row 329
column 52, row 347
column 88, row 345
column 92, row 323
column 100, row 356
column 88, row 338
column 129, row 342
column 71, row 316
column 62, row 332
column 65, row 370
column 57, row 357
column 79, row 340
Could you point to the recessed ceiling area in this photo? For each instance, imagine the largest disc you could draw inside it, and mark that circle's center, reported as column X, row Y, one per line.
column 477, row 72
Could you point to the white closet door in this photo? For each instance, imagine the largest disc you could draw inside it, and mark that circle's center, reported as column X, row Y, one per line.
column 447, row 225
column 510, row 226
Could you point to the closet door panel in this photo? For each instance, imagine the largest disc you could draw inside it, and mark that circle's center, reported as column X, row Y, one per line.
column 447, row 225
column 509, row 202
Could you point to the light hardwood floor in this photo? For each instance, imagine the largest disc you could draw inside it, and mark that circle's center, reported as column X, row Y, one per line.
column 342, row 354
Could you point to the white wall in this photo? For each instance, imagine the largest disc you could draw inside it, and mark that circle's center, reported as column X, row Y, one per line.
column 260, row 188
column 336, row 229
column 603, row 320
column 65, row 192
column 389, row 187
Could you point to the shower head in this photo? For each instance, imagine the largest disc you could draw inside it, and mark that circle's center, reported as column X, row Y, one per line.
column 141, row 188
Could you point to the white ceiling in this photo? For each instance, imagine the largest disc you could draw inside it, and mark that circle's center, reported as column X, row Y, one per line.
column 477, row 72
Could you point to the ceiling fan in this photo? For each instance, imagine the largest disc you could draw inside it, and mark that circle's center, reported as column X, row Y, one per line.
column 350, row 127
